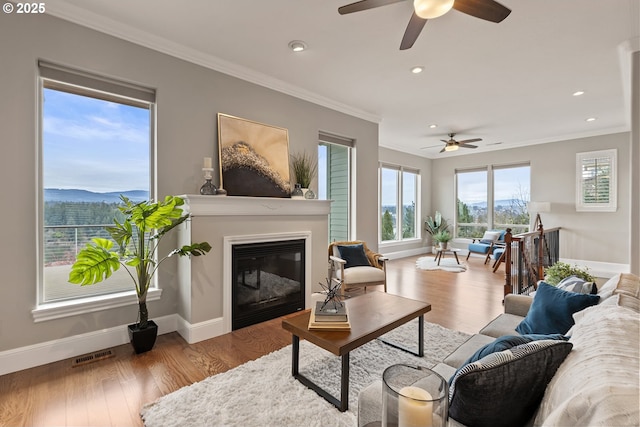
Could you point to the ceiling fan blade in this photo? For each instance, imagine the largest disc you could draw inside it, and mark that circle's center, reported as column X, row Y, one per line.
column 412, row 32
column 364, row 5
column 430, row 146
column 446, row 142
column 442, row 151
column 470, row 140
column 489, row 10
column 468, row 146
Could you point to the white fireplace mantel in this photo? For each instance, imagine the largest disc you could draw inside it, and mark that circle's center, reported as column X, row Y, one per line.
column 198, row 205
column 204, row 297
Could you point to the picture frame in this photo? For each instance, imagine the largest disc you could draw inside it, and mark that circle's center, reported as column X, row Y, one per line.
column 254, row 158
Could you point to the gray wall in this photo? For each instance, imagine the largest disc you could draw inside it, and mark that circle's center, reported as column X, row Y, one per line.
column 587, row 236
column 188, row 99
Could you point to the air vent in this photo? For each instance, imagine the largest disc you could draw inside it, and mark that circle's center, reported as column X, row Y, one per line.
column 93, row 357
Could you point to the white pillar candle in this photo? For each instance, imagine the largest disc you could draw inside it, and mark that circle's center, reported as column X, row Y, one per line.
column 207, row 162
column 412, row 412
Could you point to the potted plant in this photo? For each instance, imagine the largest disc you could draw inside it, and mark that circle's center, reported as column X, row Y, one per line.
column 436, row 223
column 561, row 270
column 442, row 237
column 304, row 168
column 138, row 237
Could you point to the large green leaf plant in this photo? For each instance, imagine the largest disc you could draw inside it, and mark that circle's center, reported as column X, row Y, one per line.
column 137, row 238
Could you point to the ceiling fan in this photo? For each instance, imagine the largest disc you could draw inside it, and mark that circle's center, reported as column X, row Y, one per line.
column 489, row 10
column 453, row 145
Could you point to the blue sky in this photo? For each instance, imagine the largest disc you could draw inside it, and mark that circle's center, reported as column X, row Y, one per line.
column 508, row 183
column 94, row 145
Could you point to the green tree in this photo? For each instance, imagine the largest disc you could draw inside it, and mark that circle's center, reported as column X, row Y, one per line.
column 387, row 226
column 409, row 221
column 465, row 217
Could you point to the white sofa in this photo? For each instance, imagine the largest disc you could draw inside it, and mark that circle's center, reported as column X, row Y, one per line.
column 597, row 384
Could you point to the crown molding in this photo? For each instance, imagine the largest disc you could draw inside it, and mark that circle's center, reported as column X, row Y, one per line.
column 80, row 16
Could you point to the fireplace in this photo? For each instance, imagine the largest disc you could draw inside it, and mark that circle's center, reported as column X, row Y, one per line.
column 205, row 284
column 268, row 280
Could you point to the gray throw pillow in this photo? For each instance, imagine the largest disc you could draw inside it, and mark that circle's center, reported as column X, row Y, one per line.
column 505, row 388
column 578, row 285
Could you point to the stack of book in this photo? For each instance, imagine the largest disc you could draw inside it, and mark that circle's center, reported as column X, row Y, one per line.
column 329, row 317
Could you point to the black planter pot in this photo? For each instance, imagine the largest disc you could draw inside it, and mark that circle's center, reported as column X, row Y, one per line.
column 143, row 339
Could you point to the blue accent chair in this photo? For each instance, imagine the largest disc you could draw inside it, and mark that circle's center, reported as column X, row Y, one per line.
column 492, row 239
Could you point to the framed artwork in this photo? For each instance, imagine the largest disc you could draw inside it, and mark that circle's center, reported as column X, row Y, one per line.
column 254, row 158
column 596, row 181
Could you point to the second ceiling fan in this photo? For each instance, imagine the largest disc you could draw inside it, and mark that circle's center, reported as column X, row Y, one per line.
column 453, row 145
column 489, row 10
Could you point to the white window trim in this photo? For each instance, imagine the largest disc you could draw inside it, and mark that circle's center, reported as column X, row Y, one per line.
column 418, row 212
column 612, row 206
column 60, row 309
column 131, row 94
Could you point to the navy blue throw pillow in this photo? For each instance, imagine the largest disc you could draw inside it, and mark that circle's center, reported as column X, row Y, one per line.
column 507, row 342
column 552, row 310
column 354, row 255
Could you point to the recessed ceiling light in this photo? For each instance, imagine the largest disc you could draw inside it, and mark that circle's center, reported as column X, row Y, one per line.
column 297, row 45
column 433, row 126
column 578, row 93
column 417, row 70
column 591, row 119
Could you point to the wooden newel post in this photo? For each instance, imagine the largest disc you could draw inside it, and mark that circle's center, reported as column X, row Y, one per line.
column 508, row 288
column 541, row 243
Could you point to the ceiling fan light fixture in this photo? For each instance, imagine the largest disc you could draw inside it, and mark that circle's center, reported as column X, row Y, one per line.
column 451, row 147
column 430, row 9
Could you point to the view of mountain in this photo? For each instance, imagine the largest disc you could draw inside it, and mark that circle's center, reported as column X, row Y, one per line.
column 503, row 202
column 72, row 195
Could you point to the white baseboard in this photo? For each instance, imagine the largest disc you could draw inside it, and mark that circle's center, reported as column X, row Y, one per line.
column 200, row 331
column 51, row 351
column 407, row 253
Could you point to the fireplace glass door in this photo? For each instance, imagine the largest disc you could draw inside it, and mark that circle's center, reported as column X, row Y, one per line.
column 268, row 280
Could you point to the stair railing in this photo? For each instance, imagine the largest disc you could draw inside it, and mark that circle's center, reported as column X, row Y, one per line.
column 526, row 256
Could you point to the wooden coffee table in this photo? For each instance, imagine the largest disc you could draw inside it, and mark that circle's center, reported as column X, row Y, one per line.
column 371, row 315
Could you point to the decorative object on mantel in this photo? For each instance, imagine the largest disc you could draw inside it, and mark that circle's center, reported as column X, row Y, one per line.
column 304, row 168
column 138, row 237
column 254, row 158
column 297, row 192
column 208, row 188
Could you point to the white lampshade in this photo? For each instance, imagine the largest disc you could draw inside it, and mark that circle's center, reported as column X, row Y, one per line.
column 451, row 147
column 539, row 207
column 429, row 9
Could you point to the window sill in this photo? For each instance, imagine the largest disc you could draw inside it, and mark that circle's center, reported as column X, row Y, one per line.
column 57, row 310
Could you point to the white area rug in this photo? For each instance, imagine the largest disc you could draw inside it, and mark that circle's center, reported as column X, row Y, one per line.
column 263, row 392
column 446, row 264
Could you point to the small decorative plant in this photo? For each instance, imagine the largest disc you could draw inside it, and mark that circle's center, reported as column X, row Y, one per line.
column 442, row 236
column 561, row 270
column 137, row 237
column 435, row 224
column 304, row 167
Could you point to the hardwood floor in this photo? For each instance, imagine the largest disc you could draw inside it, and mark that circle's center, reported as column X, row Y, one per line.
column 110, row 392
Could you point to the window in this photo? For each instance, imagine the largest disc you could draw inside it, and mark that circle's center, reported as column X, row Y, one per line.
column 334, row 166
column 596, row 187
column 398, row 203
column 96, row 143
column 494, row 197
